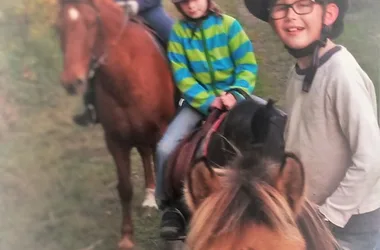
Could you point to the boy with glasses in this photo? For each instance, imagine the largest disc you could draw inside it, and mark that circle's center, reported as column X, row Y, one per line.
column 332, row 126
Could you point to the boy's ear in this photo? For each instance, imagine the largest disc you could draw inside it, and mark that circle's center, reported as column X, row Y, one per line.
column 331, row 14
column 201, row 181
column 291, row 182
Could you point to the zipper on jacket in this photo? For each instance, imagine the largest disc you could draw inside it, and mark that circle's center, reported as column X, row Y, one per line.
column 211, row 69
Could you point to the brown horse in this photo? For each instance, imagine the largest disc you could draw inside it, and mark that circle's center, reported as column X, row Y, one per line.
column 133, row 84
column 257, row 201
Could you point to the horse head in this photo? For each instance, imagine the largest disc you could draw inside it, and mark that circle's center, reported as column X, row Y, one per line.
column 78, row 28
column 82, row 33
column 246, row 206
column 257, row 200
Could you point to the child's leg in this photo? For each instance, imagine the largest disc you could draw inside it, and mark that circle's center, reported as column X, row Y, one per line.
column 173, row 223
column 159, row 20
column 358, row 241
column 183, row 123
column 362, row 232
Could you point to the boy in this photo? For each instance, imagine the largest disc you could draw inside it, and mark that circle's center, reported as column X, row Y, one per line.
column 332, row 126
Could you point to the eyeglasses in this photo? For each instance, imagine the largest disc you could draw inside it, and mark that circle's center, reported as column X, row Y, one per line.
column 301, row 7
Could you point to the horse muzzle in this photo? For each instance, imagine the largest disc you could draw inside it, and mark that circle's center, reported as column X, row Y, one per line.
column 75, row 87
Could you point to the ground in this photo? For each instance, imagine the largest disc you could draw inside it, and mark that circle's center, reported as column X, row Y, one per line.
column 57, row 181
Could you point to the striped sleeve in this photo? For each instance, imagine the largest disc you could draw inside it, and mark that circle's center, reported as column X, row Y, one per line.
column 244, row 58
column 193, row 92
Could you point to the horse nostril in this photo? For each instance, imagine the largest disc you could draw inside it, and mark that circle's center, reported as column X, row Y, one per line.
column 79, row 82
column 71, row 89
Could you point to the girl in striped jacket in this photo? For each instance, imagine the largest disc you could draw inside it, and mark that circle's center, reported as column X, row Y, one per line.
column 209, row 54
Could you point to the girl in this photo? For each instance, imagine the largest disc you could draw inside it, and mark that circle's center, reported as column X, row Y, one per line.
column 209, row 54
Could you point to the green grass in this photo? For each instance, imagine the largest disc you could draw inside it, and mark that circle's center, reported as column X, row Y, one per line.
column 58, row 187
column 57, row 181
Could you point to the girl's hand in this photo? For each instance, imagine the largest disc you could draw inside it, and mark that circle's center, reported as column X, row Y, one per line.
column 228, row 101
column 217, row 104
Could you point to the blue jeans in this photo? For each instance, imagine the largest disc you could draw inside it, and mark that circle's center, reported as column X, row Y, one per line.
column 159, row 20
column 183, row 123
column 362, row 232
column 358, row 241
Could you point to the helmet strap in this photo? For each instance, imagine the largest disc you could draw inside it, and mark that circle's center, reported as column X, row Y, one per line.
column 307, row 51
column 312, row 49
column 315, row 61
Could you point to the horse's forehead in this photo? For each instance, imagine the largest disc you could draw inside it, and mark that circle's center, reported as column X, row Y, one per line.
column 72, row 13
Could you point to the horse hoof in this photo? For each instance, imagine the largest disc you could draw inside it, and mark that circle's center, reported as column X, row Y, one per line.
column 126, row 244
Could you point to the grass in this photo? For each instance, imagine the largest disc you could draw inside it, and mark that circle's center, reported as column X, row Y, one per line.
column 57, row 181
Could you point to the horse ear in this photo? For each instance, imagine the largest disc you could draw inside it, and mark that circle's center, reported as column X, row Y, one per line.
column 200, row 183
column 291, row 182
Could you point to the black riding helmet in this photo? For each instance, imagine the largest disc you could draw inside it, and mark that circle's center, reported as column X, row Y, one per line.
column 177, row 5
column 261, row 9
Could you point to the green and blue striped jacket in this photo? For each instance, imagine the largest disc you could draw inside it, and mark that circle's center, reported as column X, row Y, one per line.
column 211, row 59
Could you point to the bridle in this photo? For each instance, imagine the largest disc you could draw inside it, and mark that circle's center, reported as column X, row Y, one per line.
column 97, row 58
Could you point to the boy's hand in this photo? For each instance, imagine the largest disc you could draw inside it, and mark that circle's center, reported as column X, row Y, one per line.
column 217, row 103
column 228, row 101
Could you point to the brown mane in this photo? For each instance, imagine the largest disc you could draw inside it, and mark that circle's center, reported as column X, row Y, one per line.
column 229, row 212
column 244, row 202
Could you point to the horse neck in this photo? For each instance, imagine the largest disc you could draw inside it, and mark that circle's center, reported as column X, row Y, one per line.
column 112, row 20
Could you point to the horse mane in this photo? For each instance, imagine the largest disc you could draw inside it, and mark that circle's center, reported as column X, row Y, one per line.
column 244, row 198
column 314, row 230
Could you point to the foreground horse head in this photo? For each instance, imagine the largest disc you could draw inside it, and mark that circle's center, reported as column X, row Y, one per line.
column 245, row 206
column 257, row 202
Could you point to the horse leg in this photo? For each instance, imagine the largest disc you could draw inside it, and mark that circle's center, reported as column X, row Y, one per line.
column 149, row 202
column 120, row 151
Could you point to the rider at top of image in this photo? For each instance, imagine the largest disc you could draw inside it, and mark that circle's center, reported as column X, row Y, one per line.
column 154, row 15
column 210, row 54
column 332, row 117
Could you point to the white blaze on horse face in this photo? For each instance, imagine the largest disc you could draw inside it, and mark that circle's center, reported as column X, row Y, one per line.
column 149, row 201
column 73, row 14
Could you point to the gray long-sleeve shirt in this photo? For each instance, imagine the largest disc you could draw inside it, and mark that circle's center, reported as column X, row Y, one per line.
column 334, row 131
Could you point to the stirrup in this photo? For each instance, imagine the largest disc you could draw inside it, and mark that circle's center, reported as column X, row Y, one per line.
column 183, row 221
